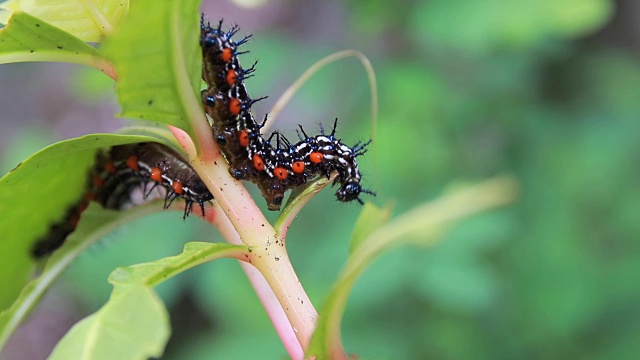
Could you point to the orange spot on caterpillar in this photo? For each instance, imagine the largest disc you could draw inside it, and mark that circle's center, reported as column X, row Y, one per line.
column 226, row 55
column 111, row 168
column 177, row 187
column 156, row 174
column 316, row 157
column 280, row 173
column 234, row 106
column 132, row 163
column 232, row 77
column 243, row 138
column 97, row 181
column 297, row 167
column 258, row 163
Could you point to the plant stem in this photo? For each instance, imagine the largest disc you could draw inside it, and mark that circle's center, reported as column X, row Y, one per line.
column 275, row 266
column 264, row 292
column 275, row 312
column 269, row 255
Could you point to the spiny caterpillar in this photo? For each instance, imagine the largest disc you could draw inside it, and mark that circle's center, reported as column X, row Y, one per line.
column 121, row 170
column 275, row 169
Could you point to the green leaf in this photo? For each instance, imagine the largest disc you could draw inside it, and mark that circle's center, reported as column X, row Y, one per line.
column 95, row 223
column 422, row 225
column 134, row 324
column 34, row 195
column 298, row 198
column 90, row 21
column 155, row 272
column 157, row 56
column 26, row 38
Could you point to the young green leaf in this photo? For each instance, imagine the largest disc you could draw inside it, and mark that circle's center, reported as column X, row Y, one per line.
column 157, row 56
column 134, row 324
column 35, row 194
column 90, row 21
column 26, row 38
column 422, row 225
column 298, row 198
column 194, row 253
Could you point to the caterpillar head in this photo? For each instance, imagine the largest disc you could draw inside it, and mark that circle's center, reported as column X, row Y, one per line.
column 351, row 190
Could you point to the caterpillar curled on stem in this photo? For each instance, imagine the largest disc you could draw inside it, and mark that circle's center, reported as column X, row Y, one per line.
column 274, row 168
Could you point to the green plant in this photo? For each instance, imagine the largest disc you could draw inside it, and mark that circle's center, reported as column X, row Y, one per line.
column 171, row 62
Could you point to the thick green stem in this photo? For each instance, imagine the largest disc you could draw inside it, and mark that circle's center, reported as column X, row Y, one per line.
column 269, row 255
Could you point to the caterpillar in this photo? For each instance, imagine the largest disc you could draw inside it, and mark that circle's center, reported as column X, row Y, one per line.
column 121, row 170
column 275, row 169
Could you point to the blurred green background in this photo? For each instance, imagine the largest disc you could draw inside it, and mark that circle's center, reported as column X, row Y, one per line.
column 546, row 90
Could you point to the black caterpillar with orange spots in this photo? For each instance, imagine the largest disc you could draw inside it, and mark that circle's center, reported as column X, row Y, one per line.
column 275, row 169
column 148, row 166
column 153, row 168
column 122, row 170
